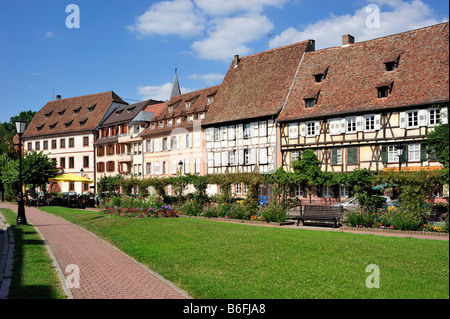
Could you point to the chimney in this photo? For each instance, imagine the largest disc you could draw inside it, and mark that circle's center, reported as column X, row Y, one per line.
column 58, row 97
column 236, row 60
column 348, row 39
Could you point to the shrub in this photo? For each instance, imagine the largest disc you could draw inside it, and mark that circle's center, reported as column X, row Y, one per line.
column 275, row 212
column 359, row 218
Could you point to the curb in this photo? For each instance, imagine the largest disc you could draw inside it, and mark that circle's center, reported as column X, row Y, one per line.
column 393, row 231
column 6, row 257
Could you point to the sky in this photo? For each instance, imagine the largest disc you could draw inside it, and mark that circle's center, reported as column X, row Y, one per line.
column 80, row 47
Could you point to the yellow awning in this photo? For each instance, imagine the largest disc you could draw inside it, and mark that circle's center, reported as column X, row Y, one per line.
column 70, row 178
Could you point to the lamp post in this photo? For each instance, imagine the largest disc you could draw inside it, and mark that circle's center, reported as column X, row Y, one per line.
column 399, row 155
column 82, row 172
column 180, row 166
column 180, row 186
column 21, row 218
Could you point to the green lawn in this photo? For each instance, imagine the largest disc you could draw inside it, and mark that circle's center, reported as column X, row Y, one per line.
column 34, row 276
column 219, row 260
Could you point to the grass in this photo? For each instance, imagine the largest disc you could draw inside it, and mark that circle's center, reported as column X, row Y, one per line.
column 217, row 260
column 34, row 276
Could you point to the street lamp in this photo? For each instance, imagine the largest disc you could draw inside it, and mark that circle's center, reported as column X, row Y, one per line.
column 21, row 219
column 82, row 172
column 180, row 165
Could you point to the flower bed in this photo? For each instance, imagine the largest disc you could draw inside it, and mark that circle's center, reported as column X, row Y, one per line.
column 139, row 208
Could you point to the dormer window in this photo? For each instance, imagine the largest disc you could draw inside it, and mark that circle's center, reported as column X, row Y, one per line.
column 130, row 109
column 188, row 105
column 92, row 107
column 68, row 124
column 169, row 123
column 179, row 121
column 77, row 110
column 318, row 78
column 161, row 123
column 48, row 114
column 118, row 112
column 152, row 126
column 40, row 127
column 191, row 118
column 391, row 65
column 384, row 91
column 53, row 126
column 82, row 122
column 62, row 112
column 170, row 109
column 202, row 116
column 210, row 100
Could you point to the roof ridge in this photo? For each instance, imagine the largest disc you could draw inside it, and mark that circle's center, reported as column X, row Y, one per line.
column 277, row 48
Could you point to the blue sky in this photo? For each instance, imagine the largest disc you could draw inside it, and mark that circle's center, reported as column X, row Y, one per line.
column 131, row 47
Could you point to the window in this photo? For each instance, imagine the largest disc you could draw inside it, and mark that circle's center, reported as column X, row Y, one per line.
column 336, row 156
column 391, row 65
column 392, row 154
column 310, row 103
column 166, row 144
column 188, row 140
column 412, row 119
column 86, row 161
column 71, row 142
column 175, row 140
column 335, row 126
column 295, row 155
column 68, row 124
column 202, row 116
column 77, row 110
column 293, row 130
column 85, row 141
column 169, row 123
column 71, row 186
column 191, row 118
column 45, row 145
column 263, row 156
column 217, row 134
column 369, row 122
column 170, row 109
column 232, row 158
column 53, row 126
column 299, row 191
column 110, row 166
column 197, row 165
column 414, row 152
column 188, row 105
column 62, row 143
column 82, row 122
column 217, row 159
column 310, row 128
column 210, row 100
column 350, row 124
column 352, row 155
column 173, row 166
column 262, row 128
column 100, row 151
column 62, row 162
column 178, row 120
column 53, row 144
column 247, row 130
column 165, row 167
column 91, row 108
column 71, row 162
column 238, row 188
column 231, row 133
column 100, row 167
column 110, row 149
column 327, row 191
column 434, row 116
column 186, row 166
column 318, row 78
column 38, row 146
column 343, row 191
column 247, row 157
column 384, row 91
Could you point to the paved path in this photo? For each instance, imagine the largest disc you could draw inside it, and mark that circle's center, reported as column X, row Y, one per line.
column 104, row 271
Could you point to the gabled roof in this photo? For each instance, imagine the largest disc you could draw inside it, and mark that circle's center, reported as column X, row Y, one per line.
column 354, row 73
column 257, row 85
column 72, row 115
column 176, row 108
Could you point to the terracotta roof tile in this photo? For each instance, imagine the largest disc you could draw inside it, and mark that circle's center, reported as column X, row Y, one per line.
column 258, row 86
column 355, row 72
column 71, row 115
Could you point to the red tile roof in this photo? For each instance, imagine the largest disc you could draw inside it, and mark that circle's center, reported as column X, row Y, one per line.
column 71, row 115
column 258, row 86
column 199, row 104
column 355, row 72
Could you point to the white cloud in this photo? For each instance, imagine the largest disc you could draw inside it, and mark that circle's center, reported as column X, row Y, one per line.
column 158, row 92
column 402, row 16
column 230, row 36
column 209, row 78
column 178, row 17
column 222, row 8
column 49, row 34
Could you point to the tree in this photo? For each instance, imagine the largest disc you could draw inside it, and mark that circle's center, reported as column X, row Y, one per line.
column 308, row 170
column 8, row 131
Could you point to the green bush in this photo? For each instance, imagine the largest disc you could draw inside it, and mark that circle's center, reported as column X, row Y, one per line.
column 274, row 212
column 360, row 218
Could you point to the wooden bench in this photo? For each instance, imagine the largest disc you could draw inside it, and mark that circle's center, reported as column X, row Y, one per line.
column 317, row 213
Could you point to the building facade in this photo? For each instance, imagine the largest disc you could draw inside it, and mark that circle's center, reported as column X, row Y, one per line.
column 65, row 130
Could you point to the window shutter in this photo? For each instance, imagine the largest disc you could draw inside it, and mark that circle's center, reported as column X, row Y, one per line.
column 241, row 157
column 384, row 155
column 423, row 117
column 225, row 158
column 240, row 129
column 404, row 157
column 263, row 156
column 423, row 152
column 231, row 133
column 359, row 123
column 302, row 129
column 342, row 130
column 317, row 128
column 444, row 115
column 252, row 156
column 293, row 130
column 352, row 155
column 334, row 156
column 221, row 133
column 402, row 119
column 377, row 122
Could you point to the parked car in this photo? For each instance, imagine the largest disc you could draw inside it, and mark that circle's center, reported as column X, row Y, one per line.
column 353, row 203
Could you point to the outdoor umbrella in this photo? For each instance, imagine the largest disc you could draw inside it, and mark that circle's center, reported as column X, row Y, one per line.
column 70, row 178
column 385, row 185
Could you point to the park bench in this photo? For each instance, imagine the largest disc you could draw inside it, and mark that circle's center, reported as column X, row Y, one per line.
column 312, row 213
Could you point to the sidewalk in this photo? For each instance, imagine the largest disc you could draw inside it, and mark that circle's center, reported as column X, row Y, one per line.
column 104, row 271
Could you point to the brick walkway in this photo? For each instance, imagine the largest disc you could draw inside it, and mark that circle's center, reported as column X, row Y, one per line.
column 105, row 272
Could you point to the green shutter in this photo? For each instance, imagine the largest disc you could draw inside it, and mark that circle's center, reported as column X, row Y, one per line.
column 384, row 155
column 334, row 156
column 404, row 157
column 352, row 155
column 423, row 152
